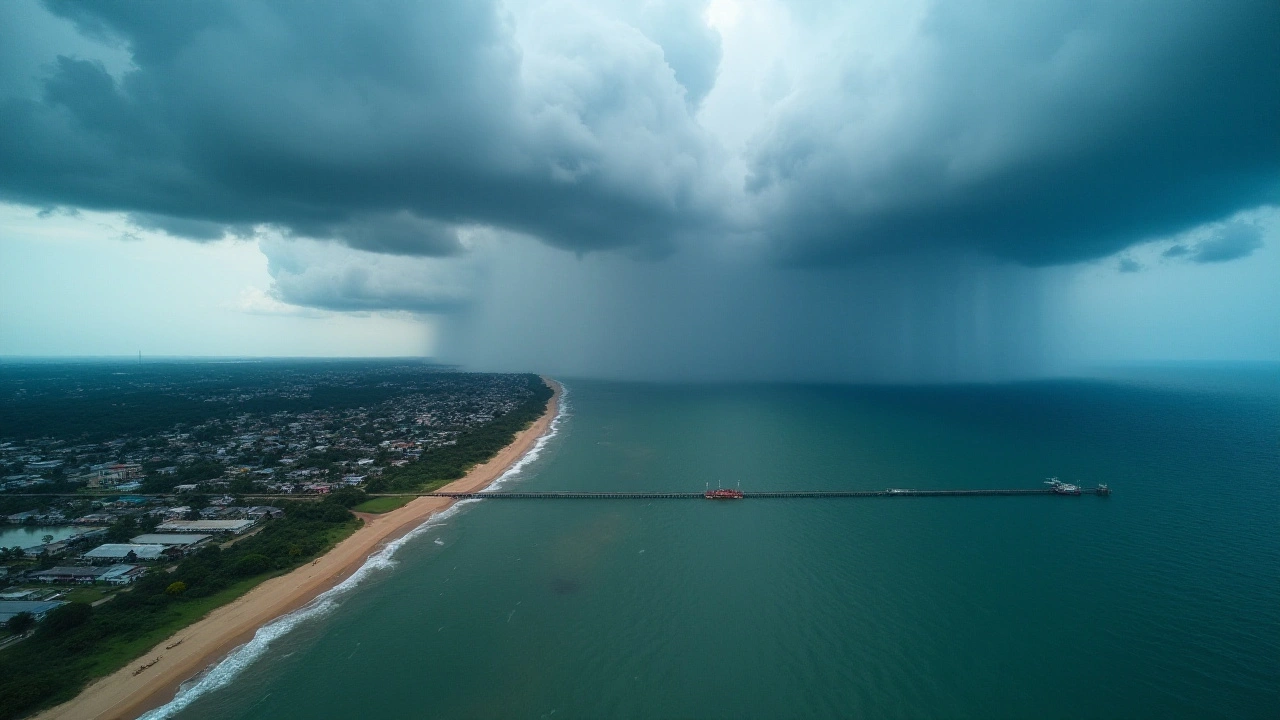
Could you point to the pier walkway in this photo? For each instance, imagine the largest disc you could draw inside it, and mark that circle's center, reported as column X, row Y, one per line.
column 749, row 495
column 1101, row 490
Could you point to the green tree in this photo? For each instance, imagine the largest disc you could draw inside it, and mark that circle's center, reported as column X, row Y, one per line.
column 347, row 497
column 20, row 623
column 176, row 588
column 252, row 565
column 123, row 529
column 65, row 618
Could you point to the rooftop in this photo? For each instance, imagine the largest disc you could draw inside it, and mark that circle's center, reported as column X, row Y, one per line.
column 111, row 551
column 9, row 608
column 169, row 539
column 234, row 526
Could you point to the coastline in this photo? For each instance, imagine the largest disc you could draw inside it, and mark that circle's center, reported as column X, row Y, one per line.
column 196, row 647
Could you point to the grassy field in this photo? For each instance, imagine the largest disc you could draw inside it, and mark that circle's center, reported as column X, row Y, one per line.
column 89, row 594
column 383, row 504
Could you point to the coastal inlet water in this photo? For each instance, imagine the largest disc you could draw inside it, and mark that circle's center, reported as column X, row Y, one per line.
column 28, row 536
column 1162, row 601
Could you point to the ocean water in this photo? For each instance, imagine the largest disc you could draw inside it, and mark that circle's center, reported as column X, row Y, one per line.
column 1162, row 601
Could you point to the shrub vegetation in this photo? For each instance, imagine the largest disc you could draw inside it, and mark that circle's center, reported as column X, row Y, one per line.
column 76, row 643
column 438, row 466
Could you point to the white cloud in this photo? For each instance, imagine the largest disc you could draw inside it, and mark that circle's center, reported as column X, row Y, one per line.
column 256, row 301
column 333, row 277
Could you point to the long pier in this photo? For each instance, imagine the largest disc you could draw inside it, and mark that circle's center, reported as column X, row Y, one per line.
column 785, row 494
column 1101, row 490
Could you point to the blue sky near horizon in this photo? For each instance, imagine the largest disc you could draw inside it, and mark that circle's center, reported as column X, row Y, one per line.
column 870, row 190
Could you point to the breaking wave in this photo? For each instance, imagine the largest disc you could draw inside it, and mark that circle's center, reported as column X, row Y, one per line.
column 562, row 411
column 242, row 657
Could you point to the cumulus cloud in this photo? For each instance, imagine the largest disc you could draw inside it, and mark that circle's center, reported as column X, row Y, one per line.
column 256, row 301
column 690, row 47
column 1234, row 241
column 1129, row 265
column 367, row 144
column 401, row 233
column 383, row 125
column 189, row 228
column 334, row 277
column 1046, row 132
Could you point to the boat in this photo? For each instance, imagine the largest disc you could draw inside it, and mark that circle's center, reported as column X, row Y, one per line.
column 722, row 494
column 1061, row 488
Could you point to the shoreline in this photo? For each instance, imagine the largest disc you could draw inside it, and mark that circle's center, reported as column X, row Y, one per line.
column 193, row 649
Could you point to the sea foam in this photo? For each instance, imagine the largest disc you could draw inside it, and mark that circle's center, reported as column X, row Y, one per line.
column 222, row 673
column 562, row 411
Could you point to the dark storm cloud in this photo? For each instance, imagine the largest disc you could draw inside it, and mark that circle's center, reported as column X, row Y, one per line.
column 1235, row 241
column 702, row 318
column 356, row 289
column 330, row 276
column 381, row 124
column 398, row 234
column 1176, row 251
column 189, row 228
column 1129, row 265
column 1040, row 132
column 1043, row 132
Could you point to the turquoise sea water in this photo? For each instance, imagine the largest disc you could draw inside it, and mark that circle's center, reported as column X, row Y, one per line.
column 1162, row 601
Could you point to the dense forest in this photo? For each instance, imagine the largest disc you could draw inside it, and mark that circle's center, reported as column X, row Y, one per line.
column 77, row 642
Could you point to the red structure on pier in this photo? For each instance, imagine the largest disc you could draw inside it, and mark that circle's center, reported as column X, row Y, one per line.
column 723, row 494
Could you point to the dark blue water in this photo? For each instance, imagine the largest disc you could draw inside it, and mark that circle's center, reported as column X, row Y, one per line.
column 1161, row 601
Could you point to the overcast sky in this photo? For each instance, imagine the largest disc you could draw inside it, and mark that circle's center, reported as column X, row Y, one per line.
column 903, row 190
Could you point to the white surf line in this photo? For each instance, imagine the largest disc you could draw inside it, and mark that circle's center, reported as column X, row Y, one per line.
column 243, row 656
column 222, row 673
column 553, row 429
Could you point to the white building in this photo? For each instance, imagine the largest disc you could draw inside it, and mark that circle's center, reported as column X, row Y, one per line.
column 113, row 552
column 182, row 541
column 205, row 526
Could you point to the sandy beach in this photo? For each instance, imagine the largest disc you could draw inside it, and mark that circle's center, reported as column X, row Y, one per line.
column 188, row 652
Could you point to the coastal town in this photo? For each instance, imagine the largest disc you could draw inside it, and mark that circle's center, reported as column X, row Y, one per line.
column 90, row 510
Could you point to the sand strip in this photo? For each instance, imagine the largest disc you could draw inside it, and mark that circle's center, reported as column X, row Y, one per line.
column 188, row 652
